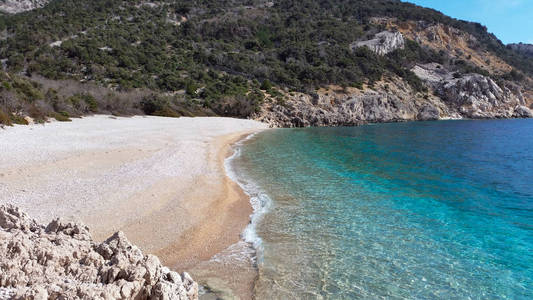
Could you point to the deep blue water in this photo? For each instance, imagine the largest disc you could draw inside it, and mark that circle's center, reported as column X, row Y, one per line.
column 425, row 210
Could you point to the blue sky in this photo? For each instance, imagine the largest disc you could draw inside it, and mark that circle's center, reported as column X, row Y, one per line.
column 510, row 20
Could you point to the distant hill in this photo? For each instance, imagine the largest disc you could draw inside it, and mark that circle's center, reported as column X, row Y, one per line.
column 252, row 58
column 526, row 49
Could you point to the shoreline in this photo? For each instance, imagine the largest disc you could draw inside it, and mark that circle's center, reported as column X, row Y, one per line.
column 232, row 272
column 161, row 181
column 236, row 208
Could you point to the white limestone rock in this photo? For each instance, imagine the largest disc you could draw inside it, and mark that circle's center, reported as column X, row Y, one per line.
column 478, row 97
column 382, row 43
column 18, row 6
column 61, row 261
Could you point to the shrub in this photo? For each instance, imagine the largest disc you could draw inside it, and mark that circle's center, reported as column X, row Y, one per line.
column 5, row 119
column 266, row 85
column 91, row 102
column 27, row 90
column 158, row 106
column 167, row 112
column 18, row 119
column 358, row 85
column 37, row 112
column 61, row 116
column 152, row 104
column 6, row 85
column 238, row 105
column 513, row 76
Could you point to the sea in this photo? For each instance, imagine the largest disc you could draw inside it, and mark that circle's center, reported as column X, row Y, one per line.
column 419, row 210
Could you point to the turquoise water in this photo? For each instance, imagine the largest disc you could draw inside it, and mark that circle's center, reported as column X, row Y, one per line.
column 429, row 210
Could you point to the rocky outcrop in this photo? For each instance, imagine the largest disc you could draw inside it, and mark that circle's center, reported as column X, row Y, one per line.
column 61, row 261
column 473, row 95
column 433, row 74
column 390, row 100
column 526, row 49
column 476, row 96
column 452, row 41
column 450, row 96
column 17, row 6
column 382, row 43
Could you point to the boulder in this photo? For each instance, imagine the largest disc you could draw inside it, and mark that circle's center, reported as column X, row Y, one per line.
column 522, row 112
column 61, row 261
column 428, row 113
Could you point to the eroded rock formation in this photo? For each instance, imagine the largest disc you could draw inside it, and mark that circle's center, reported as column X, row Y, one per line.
column 478, row 97
column 61, row 261
column 382, row 43
column 473, row 96
column 387, row 101
column 449, row 96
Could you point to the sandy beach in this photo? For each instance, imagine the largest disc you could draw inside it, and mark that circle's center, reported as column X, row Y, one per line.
column 159, row 180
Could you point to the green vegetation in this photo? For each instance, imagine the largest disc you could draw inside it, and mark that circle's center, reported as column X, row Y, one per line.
column 62, row 116
column 10, row 119
column 207, row 57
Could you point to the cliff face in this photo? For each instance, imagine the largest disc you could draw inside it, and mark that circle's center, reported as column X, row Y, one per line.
column 388, row 101
column 479, row 97
column 471, row 96
column 17, row 6
column 61, row 261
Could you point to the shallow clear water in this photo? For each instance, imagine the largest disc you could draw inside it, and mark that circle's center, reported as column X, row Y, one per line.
column 414, row 210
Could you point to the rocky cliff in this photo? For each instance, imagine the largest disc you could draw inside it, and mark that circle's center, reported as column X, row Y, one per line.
column 61, row 261
column 449, row 96
column 17, row 6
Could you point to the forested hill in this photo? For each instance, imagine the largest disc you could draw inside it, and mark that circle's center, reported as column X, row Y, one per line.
column 229, row 57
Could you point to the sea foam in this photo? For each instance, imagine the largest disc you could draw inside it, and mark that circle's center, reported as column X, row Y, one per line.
column 260, row 201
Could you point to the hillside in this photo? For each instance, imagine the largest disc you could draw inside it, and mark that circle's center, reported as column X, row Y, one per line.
column 525, row 49
column 290, row 63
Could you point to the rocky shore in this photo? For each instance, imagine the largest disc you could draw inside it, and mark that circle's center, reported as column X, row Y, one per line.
column 61, row 261
column 471, row 96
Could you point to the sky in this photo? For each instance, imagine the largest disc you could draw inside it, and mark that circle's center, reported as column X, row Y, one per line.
column 510, row 20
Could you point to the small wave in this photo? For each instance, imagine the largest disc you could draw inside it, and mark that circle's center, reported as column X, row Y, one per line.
column 259, row 200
